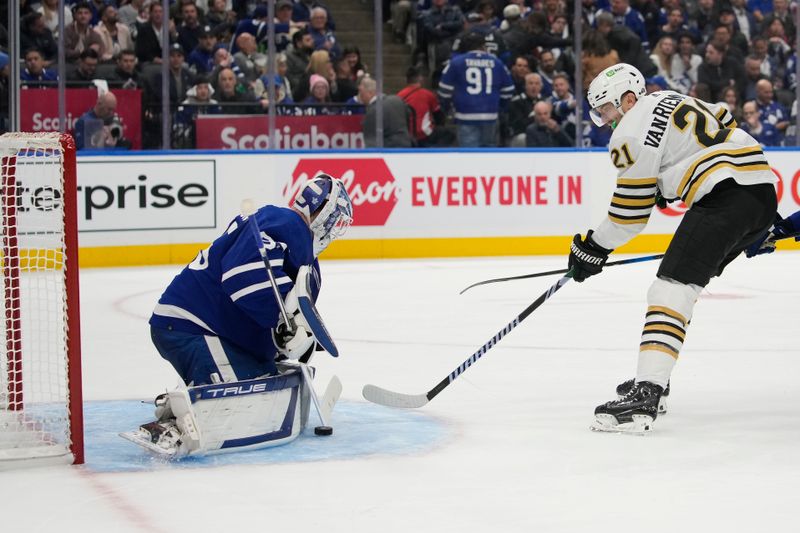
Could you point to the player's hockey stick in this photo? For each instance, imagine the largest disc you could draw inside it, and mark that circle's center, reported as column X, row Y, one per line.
column 395, row 399
column 796, row 236
column 562, row 271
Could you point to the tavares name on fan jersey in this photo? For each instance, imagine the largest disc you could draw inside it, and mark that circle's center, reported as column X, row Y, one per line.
column 477, row 83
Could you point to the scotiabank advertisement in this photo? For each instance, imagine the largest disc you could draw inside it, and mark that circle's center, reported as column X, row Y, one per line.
column 39, row 110
column 236, row 132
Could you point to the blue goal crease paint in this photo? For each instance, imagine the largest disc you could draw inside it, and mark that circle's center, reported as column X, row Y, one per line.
column 361, row 429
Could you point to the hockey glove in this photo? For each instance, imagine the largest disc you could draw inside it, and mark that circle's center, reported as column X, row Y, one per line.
column 764, row 245
column 661, row 201
column 293, row 344
column 586, row 257
column 783, row 228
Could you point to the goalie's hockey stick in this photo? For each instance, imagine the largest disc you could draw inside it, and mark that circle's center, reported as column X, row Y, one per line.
column 323, row 409
column 562, row 271
column 307, row 307
column 395, row 399
column 248, row 209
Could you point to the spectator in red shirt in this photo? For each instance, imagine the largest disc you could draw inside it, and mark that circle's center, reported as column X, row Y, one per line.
column 427, row 113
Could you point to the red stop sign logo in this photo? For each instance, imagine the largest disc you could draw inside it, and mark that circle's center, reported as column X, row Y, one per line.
column 675, row 209
column 369, row 182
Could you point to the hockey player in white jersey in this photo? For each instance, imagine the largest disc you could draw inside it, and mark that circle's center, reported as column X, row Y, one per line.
column 676, row 147
column 222, row 327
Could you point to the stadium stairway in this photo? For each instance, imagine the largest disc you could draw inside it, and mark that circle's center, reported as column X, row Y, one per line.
column 355, row 27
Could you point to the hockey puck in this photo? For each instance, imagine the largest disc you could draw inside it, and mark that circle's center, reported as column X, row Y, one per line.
column 324, row 431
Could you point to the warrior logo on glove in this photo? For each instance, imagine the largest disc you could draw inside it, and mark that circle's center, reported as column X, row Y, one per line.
column 586, row 258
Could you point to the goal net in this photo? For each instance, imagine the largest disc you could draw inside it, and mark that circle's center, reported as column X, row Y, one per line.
column 40, row 383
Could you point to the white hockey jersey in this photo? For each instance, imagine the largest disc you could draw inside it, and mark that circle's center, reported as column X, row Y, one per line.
column 680, row 146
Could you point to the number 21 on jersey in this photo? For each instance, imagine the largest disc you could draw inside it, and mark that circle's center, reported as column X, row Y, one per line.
column 622, row 157
column 702, row 116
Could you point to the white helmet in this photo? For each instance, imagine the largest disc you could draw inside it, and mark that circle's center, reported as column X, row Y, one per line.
column 327, row 206
column 610, row 86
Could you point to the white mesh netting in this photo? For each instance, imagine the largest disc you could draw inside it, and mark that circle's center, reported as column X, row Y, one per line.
column 34, row 387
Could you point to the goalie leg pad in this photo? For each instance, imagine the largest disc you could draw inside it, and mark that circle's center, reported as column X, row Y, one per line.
column 248, row 415
column 227, row 417
column 191, row 441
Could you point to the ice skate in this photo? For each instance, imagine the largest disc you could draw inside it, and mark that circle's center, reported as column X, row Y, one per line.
column 624, row 387
column 162, row 438
column 633, row 413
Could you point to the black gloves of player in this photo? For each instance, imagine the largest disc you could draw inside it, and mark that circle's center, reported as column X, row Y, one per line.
column 661, row 202
column 586, row 257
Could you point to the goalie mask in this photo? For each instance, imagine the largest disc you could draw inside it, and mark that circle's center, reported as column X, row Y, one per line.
column 327, row 206
column 607, row 89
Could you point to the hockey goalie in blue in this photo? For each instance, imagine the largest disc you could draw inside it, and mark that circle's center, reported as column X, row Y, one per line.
column 221, row 323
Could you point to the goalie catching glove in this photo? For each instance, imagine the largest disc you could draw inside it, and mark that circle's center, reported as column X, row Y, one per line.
column 293, row 342
column 586, row 257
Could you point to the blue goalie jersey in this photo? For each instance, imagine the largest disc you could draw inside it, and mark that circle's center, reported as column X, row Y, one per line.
column 226, row 292
column 477, row 82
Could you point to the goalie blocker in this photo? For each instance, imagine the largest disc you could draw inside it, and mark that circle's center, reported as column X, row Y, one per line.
column 238, row 416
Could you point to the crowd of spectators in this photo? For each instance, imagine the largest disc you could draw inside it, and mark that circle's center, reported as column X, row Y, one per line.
column 741, row 52
column 217, row 56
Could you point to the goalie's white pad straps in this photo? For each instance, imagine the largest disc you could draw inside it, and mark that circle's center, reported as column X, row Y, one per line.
column 220, row 358
column 191, row 437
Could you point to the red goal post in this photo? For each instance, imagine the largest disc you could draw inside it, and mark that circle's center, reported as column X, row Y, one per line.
column 41, row 407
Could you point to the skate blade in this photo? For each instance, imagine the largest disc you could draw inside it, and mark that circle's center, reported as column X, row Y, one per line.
column 142, row 439
column 640, row 425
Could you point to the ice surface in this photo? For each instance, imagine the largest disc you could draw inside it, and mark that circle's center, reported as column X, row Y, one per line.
column 504, row 448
